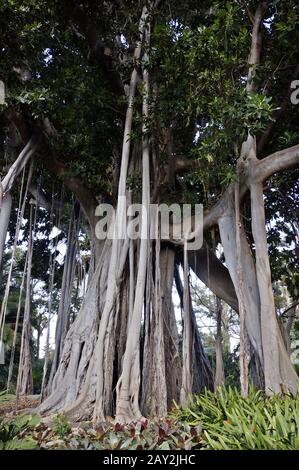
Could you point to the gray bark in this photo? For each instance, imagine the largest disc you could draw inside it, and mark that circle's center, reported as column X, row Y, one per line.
column 280, row 375
column 243, row 313
column 63, row 315
column 127, row 391
column 219, row 374
column 188, row 338
column 25, row 379
column 214, row 275
column 202, row 371
column 19, row 164
column 5, row 211
column 227, row 226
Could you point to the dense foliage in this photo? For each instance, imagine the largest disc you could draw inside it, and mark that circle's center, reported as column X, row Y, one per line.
column 219, row 421
column 230, row 422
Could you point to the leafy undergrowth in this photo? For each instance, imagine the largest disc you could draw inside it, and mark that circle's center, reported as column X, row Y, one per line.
column 30, row 434
column 232, row 422
column 17, row 433
column 222, row 420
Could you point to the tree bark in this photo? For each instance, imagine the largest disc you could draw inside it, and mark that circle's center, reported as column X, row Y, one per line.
column 188, row 338
column 212, row 272
column 280, row 374
column 241, row 294
column 5, row 211
column 127, row 406
column 74, row 384
column 154, row 379
column 203, row 376
column 173, row 368
column 219, row 374
column 25, row 380
column 63, row 314
column 19, row 164
column 227, row 227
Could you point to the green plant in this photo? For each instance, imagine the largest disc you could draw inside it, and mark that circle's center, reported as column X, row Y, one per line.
column 232, row 422
column 6, row 397
column 13, row 433
column 61, row 426
column 147, row 435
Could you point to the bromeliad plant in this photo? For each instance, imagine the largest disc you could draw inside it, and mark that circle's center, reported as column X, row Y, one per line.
column 231, row 422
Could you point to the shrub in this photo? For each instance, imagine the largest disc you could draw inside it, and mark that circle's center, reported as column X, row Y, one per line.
column 61, row 426
column 13, row 433
column 6, row 397
column 232, row 422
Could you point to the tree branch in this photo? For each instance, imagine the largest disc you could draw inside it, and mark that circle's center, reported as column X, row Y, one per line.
column 256, row 45
column 263, row 169
column 99, row 50
column 55, row 166
column 84, row 196
column 184, row 165
column 213, row 274
column 19, row 164
column 290, row 307
column 282, row 160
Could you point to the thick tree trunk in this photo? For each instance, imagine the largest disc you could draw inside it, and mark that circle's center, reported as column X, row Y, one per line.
column 127, row 391
column 241, row 294
column 161, row 375
column 74, row 385
column 227, row 227
column 119, row 250
column 85, row 371
column 280, row 374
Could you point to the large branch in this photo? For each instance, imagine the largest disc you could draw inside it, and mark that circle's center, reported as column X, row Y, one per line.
column 256, row 45
column 16, row 168
column 211, row 216
column 282, row 160
column 263, row 169
column 213, row 274
column 84, row 196
column 42, row 199
column 182, row 165
column 100, row 52
column 55, row 166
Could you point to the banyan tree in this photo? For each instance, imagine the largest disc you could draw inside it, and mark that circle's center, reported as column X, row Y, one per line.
column 151, row 102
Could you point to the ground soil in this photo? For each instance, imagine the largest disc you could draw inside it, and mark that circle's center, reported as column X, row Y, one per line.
column 12, row 407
